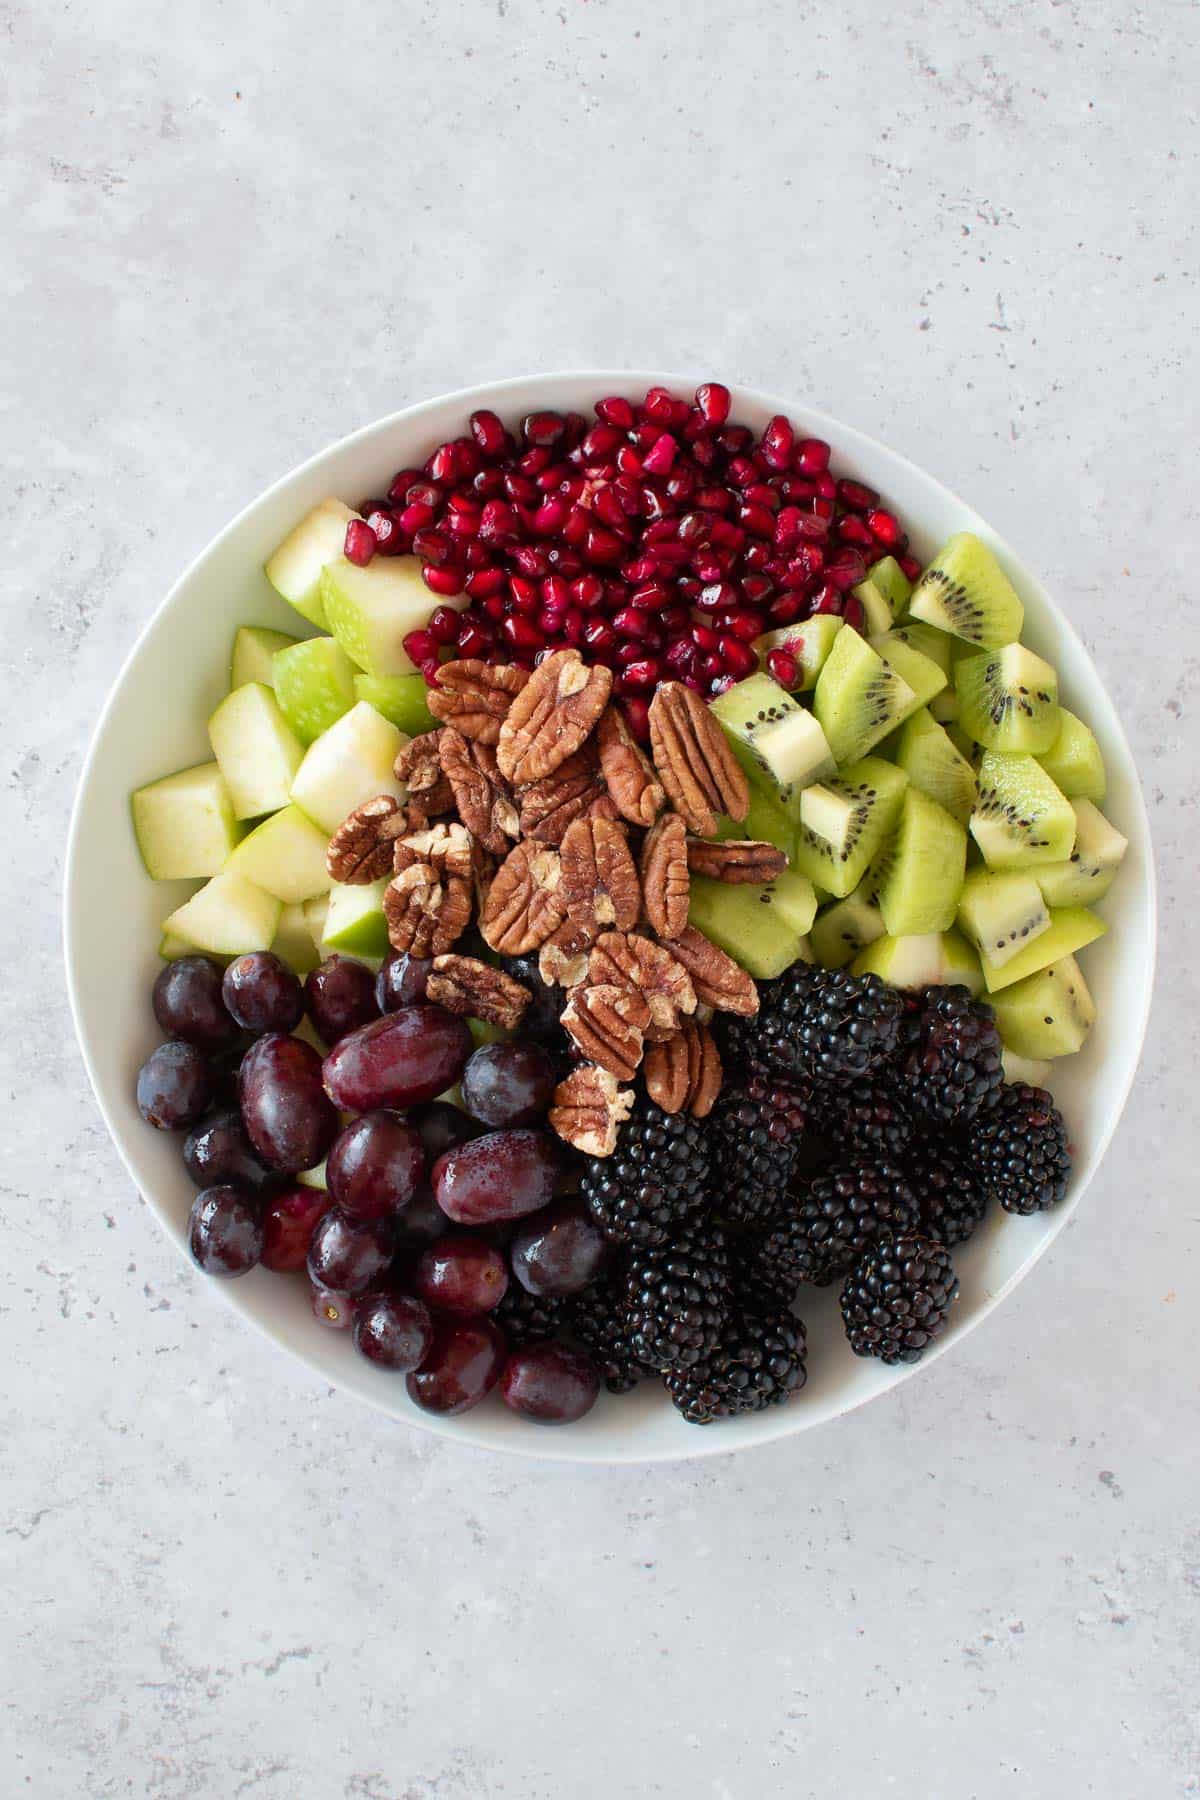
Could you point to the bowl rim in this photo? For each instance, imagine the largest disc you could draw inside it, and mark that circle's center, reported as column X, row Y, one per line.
column 534, row 1444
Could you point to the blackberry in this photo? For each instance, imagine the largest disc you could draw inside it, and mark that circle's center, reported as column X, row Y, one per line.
column 755, row 1134
column 951, row 1199
column 896, row 1300
column 825, row 1024
column 759, row 1361
column 835, row 1219
column 597, row 1317
column 541, row 1016
column 1018, row 1151
column 679, row 1297
column 523, row 1316
column 868, row 1119
column 949, row 1062
column 658, row 1174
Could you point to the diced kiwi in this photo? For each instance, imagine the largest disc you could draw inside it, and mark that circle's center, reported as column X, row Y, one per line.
column 401, row 698
column 877, row 613
column 944, row 706
column 848, row 926
column 962, row 740
column 933, row 765
column 258, row 751
column 1048, row 1014
column 1091, row 868
column 1008, row 699
column 355, row 923
column 856, row 809
column 228, row 916
column 924, row 674
column 760, row 925
column 808, row 642
column 1001, row 913
column 1023, row 1068
column 295, row 569
column 919, row 870
column 965, row 591
column 903, row 962
column 778, row 742
column 931, row 643
column 314, row 685
column 185, row 824
column 1070, row 929
column 766, row 820
column 254, row 650
column 285, row 855
column 859, row 698
column 351, row 762
column 293, row 942
column 1073, row 761
column 960, row 964
column 1021, row 819
column 889, row 578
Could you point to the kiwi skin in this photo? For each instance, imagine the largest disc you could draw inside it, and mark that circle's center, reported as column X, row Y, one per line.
column 965, row 591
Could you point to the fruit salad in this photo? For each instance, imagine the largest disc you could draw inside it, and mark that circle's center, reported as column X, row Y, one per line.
column 638, row 892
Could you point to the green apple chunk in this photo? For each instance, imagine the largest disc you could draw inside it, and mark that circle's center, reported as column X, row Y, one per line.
column 371, row 611
column 400, row 698
column 295, row 569
column 254, row 652
column 185, row 824
column 228, row 917
column 313, row 1178
column 286, row 856
column 351, row 762
column 314, row 685
column 293, row 942
column 315, row 913
column 170, row 946
column 355, row 923
column 256, row 748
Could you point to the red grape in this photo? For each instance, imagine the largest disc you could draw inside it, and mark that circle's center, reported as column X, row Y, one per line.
column 288, row 1224
column 550, row 1383
column 188, row 1004
column 218, row 1149
column 401, row 981
column 347, row 1254
column 405, row 1057
column 290, row 1120
column 340, row 996
column 394, row 1331
column 462, row 1367
column 375, row 1166
column 461, row 1274
column 225, row 1232
column 508, row 1084
column 174, row 1087
column 559, row 1251
column 262, row 993
column 502, row 1175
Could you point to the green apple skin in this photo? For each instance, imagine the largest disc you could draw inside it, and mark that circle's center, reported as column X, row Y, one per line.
column 254, row 652
column 295, row 569
column 185, row 824
column 314, row 685
column 400, row 698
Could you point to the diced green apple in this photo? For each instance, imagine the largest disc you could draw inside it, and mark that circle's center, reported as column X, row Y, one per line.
column 254, row 652
column 229, row 916
column 371, row 610
column 355, row 923
column 295, row 569
column 185, row 824
column 286, row 856
column 293, row 942
column 315, row 913
column 256, row 748
column 349, row 763
column 314, row 685
column 400, row 698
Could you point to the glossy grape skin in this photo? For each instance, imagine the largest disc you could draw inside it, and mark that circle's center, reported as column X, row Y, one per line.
column 225, row 1231
column 560, row 1251
column 461, row 1275
column 502, row 1175
column 375, row 1166
column 289, row 1221
column 401, row 981
column 219, row 1149
column 290, row 1120
column 508, row 1084
column 347, row 1254
column 462, row 1367
column 393, row 1331
column 422, row 1222
column 336, row 1312
column 187, row 1003
column 550, row 1383
column 340, row 996
column 399, row 1060
column 262, row 993
column 174, row 1086
column 441, row 1127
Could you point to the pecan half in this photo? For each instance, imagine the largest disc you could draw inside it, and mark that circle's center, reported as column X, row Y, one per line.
column 588, row 1108
column 360, row 850
column 695, row 764
column 629, row 776
column 446, row 844
column 551, row 716
column 735, row 860
column 600, row 880
column 475, row 697
column 684, row 1073
column 665, row 885
column 719, row 981
column 622, row 960
column 462, row 984
column 525, row 901
column 563, row 958
column 484, row 803
column 574, row 790
column 609, row 1026
column 425, row 914
column 419, row 767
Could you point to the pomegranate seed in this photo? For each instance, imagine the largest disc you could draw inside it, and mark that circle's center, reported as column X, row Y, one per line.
column 735, row 440
column 693, row 528
column 741, row 472
column 523, row 594
column 520, row 488
column 530, row 559
column 792, row 488
column 446, row 579
column 746, row 623
column 661, row 455
column 613, row 410
column 739, row 658
column 854, row 612
column 556, row 591
column 811, row 457
column 823, row 507
column 607, row 506
column 884, row 526
column 783, row 667
column 828, row 599
column 776, row 445
column 602, row 546
column 578, row 524
column 629, row 495
column 498, row 523
column 707, row 566
column 465, row 505
column 756, row 556
column 852, row 530
column 443, row 624
column 599, row 635
column 551, row 477
column 717, row 594
column 534, row 462
column 420, row 646
column 845, row 569
column 659, row 405
column 521, row 633
column 488, row 483
column 489, row 434
column 424, row 493
column 857, row 496
column 644, row 673
column 482, row 582
column 443, row 464
column 574, row 427
column 786, row 610
column 757, row 587
column 572, row 627
column 433, row 547
column 714, row 402
column 759, row 521
column 416, row 516
column 675, row 618
column 726, row 535
column 587, row 592
column 680, row 657
column 704, row 453
column 637, row 717
column 911, row 567
column 401, row 482
column 543, row 429
column 651, row 597
column 681, row 486
column 629, row 463
column 712, row 666
column 361, row 544
column 826, row 487
column 629, row 622
column 564, row 561
column 601, row 441
column 495, row 606
column 715, row 499
column 472, row 641
column 390, row 537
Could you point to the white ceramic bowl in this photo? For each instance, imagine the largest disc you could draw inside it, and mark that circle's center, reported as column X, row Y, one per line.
column 154, row 722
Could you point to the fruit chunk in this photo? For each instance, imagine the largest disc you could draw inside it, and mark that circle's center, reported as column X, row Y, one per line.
column 185, row 824
column 1047, row 1014
column 760, row 926
column 932, row 764
column 254, row 650
column 293, row 942
column 256, row 748
column 931, row 959
column 351, row 762
column 355, row 921
column 854, row 812
column 1008, row 699
column 1023, row 1068
column 931, row 643
column 877, row 614
column 848, row 926
column 285, row 855
column 1091, row 868
column 777, row 741
column 314, row 685
column 371, row 610
column 965, row 591
column 400, row 698
column 315, row 914
column 1021, row 820
column 1070, row 929
column 960, row 965
column 923, row 674
column 808, row 643
column 1001, row 913
column 889, row 580
column 859, row 698
column 1073, row 760
column 228, row 916
column 295, row 569
column 919, row 871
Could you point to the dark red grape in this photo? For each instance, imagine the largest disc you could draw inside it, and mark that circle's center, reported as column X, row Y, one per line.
column 540, row 1018
column 508, row 1084
column 559, row 1251
column 188, row 1004
column 550, row 1383
column 262, row 993
column 421, row 1222
column 441, row 1127
column 288, row 1224
column 347, row 1254
column 340, row 997
column 335, row 1311
column 398, row 1060
column 394, row 1331
column 401, row 981
column 375, row 1166
column 289, row 1117
column 462, row 1367
column 218, row 1149
column 225, row 1233
column 174, row 1086
column 461, row 1275
column 502, row 1175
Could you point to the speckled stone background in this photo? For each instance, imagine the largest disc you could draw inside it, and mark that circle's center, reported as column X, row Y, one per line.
column 235, row 233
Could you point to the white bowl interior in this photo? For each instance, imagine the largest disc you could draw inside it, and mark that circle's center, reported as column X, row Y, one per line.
column 154, row 722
